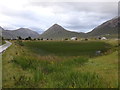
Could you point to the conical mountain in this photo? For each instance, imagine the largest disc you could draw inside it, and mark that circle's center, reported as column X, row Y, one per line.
column 55, row 28
column 58, row 32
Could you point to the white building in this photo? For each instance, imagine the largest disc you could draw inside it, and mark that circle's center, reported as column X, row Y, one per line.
column 73, row 38
column 103, row 38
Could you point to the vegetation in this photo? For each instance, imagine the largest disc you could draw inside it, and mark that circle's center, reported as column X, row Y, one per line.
column 2, row 41
column 64, row 48
column 19, row 38
column 65, row 64
column 28, row 38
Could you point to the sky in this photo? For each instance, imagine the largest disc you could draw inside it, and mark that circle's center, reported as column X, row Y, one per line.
column 73, row 15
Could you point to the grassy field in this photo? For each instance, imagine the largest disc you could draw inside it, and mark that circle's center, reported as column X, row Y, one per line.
column 65, row 48
column 63, row 64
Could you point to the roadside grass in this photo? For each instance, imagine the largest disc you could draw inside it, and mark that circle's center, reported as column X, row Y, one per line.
column 2, row 42
column 106, row 66
column 24, row 68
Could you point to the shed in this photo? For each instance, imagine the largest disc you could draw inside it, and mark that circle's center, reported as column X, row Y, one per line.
column 103, row 38
column 73, row 38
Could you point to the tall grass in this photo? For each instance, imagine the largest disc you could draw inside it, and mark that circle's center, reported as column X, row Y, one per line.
column 58, row 74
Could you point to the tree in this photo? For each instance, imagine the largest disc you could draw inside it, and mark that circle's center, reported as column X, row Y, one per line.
column 35, row 39
column 86, row 39
column 19, row 38
column 26, row 38
column 41, row 38
column 29, row 38
column 66, row 38
column 2, row 38
column 99, row 38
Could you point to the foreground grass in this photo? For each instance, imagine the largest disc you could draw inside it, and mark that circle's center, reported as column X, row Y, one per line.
column 24, row 68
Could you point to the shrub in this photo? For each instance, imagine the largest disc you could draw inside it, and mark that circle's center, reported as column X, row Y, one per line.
column 19, row 42
column 66, row 38
column 41, row 39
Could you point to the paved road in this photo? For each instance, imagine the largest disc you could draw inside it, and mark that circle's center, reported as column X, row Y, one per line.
column 5, row 46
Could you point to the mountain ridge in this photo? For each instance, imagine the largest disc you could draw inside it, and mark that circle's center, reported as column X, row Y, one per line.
column 56, row 31
column 109, row 27
column 22, row 32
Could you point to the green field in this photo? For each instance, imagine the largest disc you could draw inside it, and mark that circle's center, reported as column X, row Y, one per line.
column 67, row 48
column 61, row 64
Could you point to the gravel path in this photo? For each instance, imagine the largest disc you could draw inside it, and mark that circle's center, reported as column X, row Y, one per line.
column 5, row 46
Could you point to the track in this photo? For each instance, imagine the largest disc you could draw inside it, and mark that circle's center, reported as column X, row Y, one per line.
column 5, row 46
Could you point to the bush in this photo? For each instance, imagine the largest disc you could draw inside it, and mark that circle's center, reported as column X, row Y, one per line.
column 19, row 38
column 19, row 42
column 41, row 39
column 28, row 38
column 66, row 38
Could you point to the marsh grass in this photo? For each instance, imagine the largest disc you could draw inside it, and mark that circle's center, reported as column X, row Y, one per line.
column 58, row 75
column 64, row 48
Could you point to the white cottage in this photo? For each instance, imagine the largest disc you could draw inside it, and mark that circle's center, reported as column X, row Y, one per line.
column 103, row 38
column 73, row 38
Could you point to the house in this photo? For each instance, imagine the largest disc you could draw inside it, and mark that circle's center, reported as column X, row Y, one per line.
column 103, row 38
column 73, row 38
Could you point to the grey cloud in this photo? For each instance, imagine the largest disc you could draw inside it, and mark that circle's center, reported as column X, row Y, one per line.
column 78, row 16
column 26, row 14
column 103, row 7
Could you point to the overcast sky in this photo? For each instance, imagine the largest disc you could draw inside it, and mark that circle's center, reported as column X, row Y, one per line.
column 39, row 16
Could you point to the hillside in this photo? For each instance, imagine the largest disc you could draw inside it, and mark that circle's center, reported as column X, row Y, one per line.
column 109, row 27
column 23, row 32
column 58, row 32
column 1, row 31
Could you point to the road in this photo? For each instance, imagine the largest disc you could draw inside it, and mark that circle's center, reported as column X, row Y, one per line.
column 5, row 46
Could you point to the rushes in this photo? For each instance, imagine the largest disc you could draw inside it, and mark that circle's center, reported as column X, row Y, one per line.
column 58, row 74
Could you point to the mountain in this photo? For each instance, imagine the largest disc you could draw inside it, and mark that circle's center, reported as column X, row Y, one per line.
column 22, row 32
column 109, row 27
column 58, row 32
column 1, row 32
column 1, row 28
